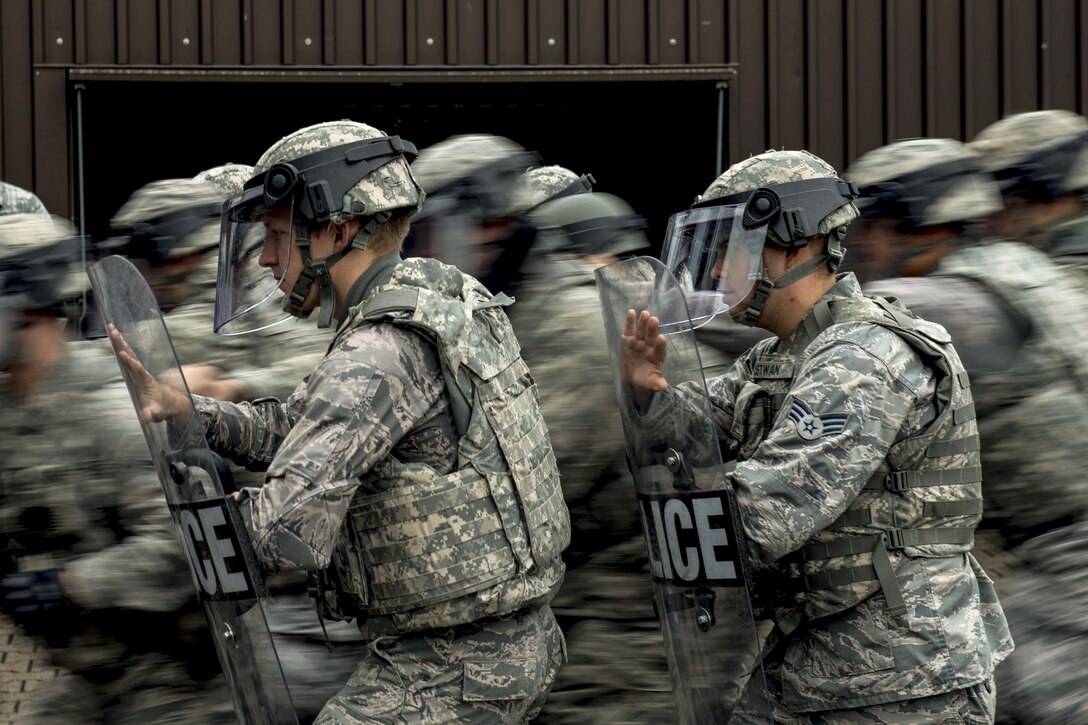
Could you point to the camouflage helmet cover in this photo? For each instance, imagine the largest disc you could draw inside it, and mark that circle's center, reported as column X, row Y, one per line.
column 544, row 182
column 24, row 237
column 771, row 168
column 1004, row 143
column 228, row 179
column 972, row 194
column 597, row 223
column 168, row 196
column 390, row 187
column 465, row 156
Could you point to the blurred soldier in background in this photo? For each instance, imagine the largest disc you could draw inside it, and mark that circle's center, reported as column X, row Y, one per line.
column 1040, row 160
column 857, row 477
column 475, row 202
column 92, row 563
column 15, row 200
column 417, row 437
column 1018, row 319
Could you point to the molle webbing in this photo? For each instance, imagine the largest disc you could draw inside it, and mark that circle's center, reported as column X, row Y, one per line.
column 443, row 541
column 898, row 482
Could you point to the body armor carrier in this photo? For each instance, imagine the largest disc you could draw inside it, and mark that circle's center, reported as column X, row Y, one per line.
column 1034, row 411
column 438, row 550
column 924, row 500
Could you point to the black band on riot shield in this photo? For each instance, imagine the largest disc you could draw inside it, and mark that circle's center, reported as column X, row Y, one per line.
column 691, row 538
column 219, row 550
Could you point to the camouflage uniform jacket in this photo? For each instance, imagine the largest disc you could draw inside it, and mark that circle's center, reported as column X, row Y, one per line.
column 858, row 487
column 368, row 437
column 78, row 492
column 1031, row 414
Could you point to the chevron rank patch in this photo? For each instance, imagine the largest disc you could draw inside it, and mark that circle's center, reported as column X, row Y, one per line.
column 811, row 426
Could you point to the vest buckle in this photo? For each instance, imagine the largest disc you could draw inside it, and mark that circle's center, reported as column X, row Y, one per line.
column 896, row 481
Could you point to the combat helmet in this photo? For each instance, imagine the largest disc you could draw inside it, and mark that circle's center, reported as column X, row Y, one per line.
column 546, row 183
column 786, row 198
column 166, row 220
column 482, row 171
column 924, row 182
column 1039, row 155
column 328, row 173
column 590, row 224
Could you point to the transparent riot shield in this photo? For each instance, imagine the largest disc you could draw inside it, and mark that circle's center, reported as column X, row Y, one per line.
column 697, row 552
column 196, row 484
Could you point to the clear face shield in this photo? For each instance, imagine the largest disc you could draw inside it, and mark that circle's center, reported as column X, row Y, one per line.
column 246, row 296
column 716, row 260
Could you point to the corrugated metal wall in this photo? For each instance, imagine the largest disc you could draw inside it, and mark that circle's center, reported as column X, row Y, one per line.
column 836, row 76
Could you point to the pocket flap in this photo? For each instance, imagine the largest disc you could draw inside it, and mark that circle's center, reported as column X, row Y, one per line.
column 512, row 679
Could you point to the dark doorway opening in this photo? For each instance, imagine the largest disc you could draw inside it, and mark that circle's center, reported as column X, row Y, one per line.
column 652, row 143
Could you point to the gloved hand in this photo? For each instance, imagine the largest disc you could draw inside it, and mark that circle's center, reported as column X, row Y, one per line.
column 36, row 601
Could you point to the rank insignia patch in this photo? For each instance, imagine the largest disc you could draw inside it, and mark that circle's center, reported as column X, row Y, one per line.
column 811, row 426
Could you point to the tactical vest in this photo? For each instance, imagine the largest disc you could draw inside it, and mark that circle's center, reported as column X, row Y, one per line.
column 436, row 550
column 924, row 500
column 1031, row 416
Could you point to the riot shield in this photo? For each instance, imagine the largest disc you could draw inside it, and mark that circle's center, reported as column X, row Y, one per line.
column 196, row 484
column 697, row 551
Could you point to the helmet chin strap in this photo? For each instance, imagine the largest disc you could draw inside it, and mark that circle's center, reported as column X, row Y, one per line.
column 318, row 271
column 754, row 309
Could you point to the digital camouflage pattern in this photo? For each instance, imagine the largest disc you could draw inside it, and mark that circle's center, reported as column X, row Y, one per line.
column 974, row 196
column 227, row 179
column 377, row 398
column 544, row 182
column 813, row 504
column 389, row 187
column 616, row 670
column 1004, row 143
column 779, row 167
column 16, row 200
column 498, row 670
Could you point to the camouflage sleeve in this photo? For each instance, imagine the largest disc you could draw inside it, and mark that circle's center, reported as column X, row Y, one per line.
column 146, row 570
column 846, row 406
column 247, row 433
column 358, row 404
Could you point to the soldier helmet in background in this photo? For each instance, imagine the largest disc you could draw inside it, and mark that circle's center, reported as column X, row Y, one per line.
column 546, row 183
column 166, row 220
column 785, row 198
column 328, row 173
column 924, row 182
column 590, row 224
column 228, row 179
column 39, row 271
column 1040, row 155
column 481, row 171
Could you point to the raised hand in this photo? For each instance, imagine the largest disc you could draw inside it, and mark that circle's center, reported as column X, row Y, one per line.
column 642, row 353
column 158, row 400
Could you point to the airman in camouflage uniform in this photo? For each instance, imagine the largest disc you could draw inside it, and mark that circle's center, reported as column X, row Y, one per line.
column 1040, row 160
column 857, row 479
column 97, row 569
column 1011, row 310
column 14, row 200
column 412, row 467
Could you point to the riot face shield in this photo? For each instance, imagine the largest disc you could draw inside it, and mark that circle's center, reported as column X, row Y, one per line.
column 196, row 484
column 242, row 284
column 714, row 257
column 697, row 551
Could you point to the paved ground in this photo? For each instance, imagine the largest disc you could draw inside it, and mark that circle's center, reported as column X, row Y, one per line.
column 23, row 666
